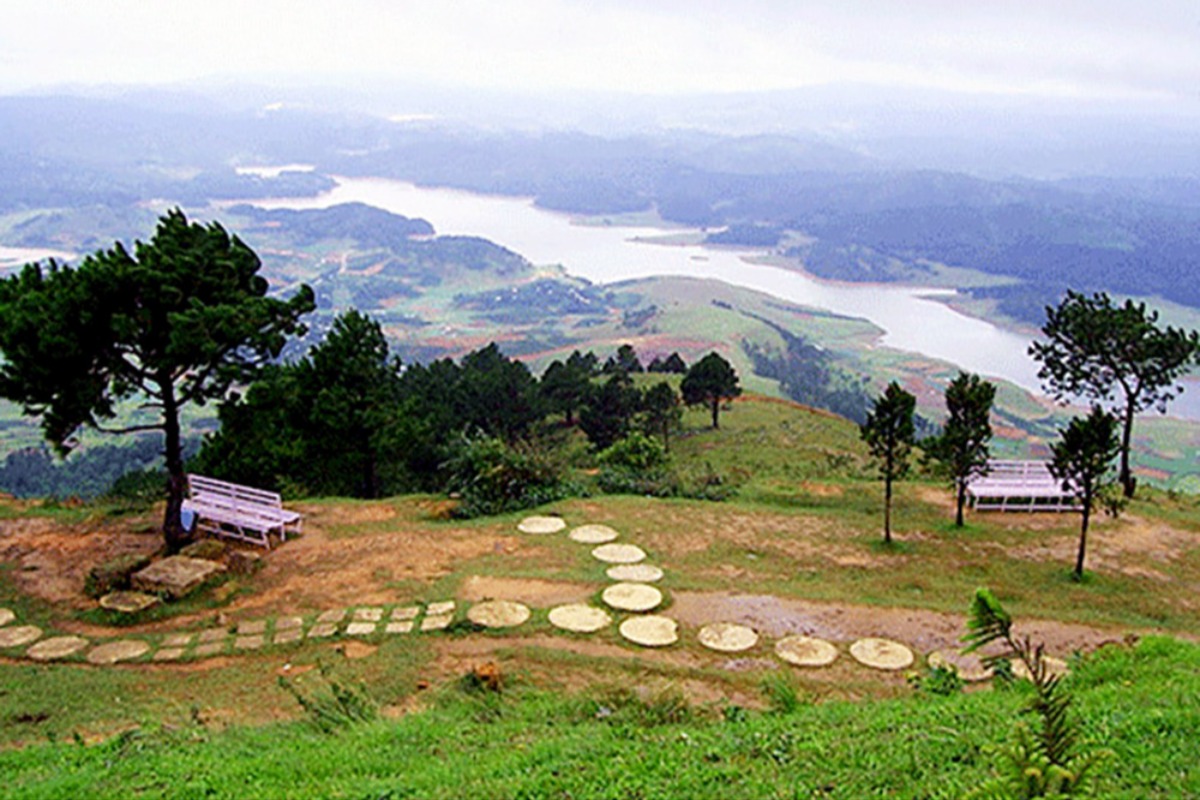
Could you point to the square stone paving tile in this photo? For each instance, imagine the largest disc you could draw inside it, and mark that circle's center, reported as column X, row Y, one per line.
column 210, row 649
column 178, row 640
column 332, row 615
column 360, row 628
column 322, row 630
column 252, row 627
column 168, row 654
column 368, row 614
column 249, row 642
column 288, row 636
column 406, row 612
column 404, row 626
column 440, row 609
column 213, row 635
column 288, row 623
column 437, row 623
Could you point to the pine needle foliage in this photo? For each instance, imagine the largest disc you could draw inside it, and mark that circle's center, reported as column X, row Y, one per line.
column 1042, row 760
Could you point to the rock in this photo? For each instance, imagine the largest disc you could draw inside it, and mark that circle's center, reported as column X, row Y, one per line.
column 113, row 575
column 56, row 647
column 17, row 635
column 728, row 637
column 175, row 576
column 632, row 597
column 244, row 562
column 498, row 613
column 120, row 650
column 209, row 549
column 881, row 654
column 128, row 602
column 806, row 651
column 580, row 618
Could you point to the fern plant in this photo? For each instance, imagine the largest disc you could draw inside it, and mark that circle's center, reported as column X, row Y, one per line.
column 1042, row 760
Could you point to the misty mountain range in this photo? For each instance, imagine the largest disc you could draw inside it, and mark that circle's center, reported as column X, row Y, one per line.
column 864, row 210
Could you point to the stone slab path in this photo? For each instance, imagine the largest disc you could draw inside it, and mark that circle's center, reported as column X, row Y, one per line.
column 629, row 594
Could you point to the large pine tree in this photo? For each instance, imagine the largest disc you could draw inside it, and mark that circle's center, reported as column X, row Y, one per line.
column 177, row 322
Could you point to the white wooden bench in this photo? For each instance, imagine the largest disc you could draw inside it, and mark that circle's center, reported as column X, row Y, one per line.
column 1019, row 486
column 239, row 512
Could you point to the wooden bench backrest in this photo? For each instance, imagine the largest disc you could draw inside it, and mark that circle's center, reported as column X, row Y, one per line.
column 218, row 492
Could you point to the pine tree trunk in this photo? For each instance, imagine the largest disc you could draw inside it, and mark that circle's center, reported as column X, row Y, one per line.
column 174, row 536
column 1083, row 529
column 716, row 408
column 887, row 509
column 1127, row 482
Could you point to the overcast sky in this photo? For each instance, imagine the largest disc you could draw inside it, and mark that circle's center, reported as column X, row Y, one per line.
column 1081, row 48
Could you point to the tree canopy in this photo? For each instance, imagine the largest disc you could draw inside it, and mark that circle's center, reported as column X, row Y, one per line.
column 889, row 432
column 332, row 422
column 1097, row 349
column 962, row 447
column 711, row 380
column 177, row 322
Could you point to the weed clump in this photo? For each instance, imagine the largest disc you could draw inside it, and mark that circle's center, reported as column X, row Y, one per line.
column 334, row 706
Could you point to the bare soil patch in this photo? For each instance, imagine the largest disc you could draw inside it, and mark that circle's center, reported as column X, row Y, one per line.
column 922, row 630
column 530, row 591
column 1130, row 545
column 53, row 559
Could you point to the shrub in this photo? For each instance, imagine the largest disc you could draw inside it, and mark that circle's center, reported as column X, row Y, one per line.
column 113, row 575
column 637, row 452
column 139, row 488
column 493, row 477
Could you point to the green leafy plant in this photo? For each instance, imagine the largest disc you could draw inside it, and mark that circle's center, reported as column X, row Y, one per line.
column 942, row 681
column 1042, row 761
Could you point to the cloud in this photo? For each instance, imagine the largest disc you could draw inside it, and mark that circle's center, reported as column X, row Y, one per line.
column 1104, row 48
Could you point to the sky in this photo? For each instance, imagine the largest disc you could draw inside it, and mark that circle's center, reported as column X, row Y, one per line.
column 1108, row 49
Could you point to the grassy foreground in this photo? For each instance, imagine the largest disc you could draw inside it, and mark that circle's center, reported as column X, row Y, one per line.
column 1142, row 703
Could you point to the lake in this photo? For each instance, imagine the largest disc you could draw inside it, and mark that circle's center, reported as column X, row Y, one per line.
column 910, row 319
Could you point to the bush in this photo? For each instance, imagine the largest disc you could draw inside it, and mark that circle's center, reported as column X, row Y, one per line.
column 139, row 488
column 113, row 575
column 492, row 477
column 637, row 452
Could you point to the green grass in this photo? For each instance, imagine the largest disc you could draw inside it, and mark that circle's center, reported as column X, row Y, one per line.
column 1140, row 703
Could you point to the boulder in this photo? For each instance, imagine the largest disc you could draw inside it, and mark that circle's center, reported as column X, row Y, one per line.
column 175, row 576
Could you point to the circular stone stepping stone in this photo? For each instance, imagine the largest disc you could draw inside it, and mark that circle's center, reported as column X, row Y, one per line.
column 579, row 618
column 650, row 630
column 592, row 534
column 128, row 602
column 541, row 525
column 498, row 613
column 1054, row 667
column 969, row 668
column 632, row 597
column 56, row 647
column 881, row 654
column 806, row 651
column 634, row 573
column 120, row 650
column 619, row 553
column 727, row 637
column 6, row 616
column 19, row 635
